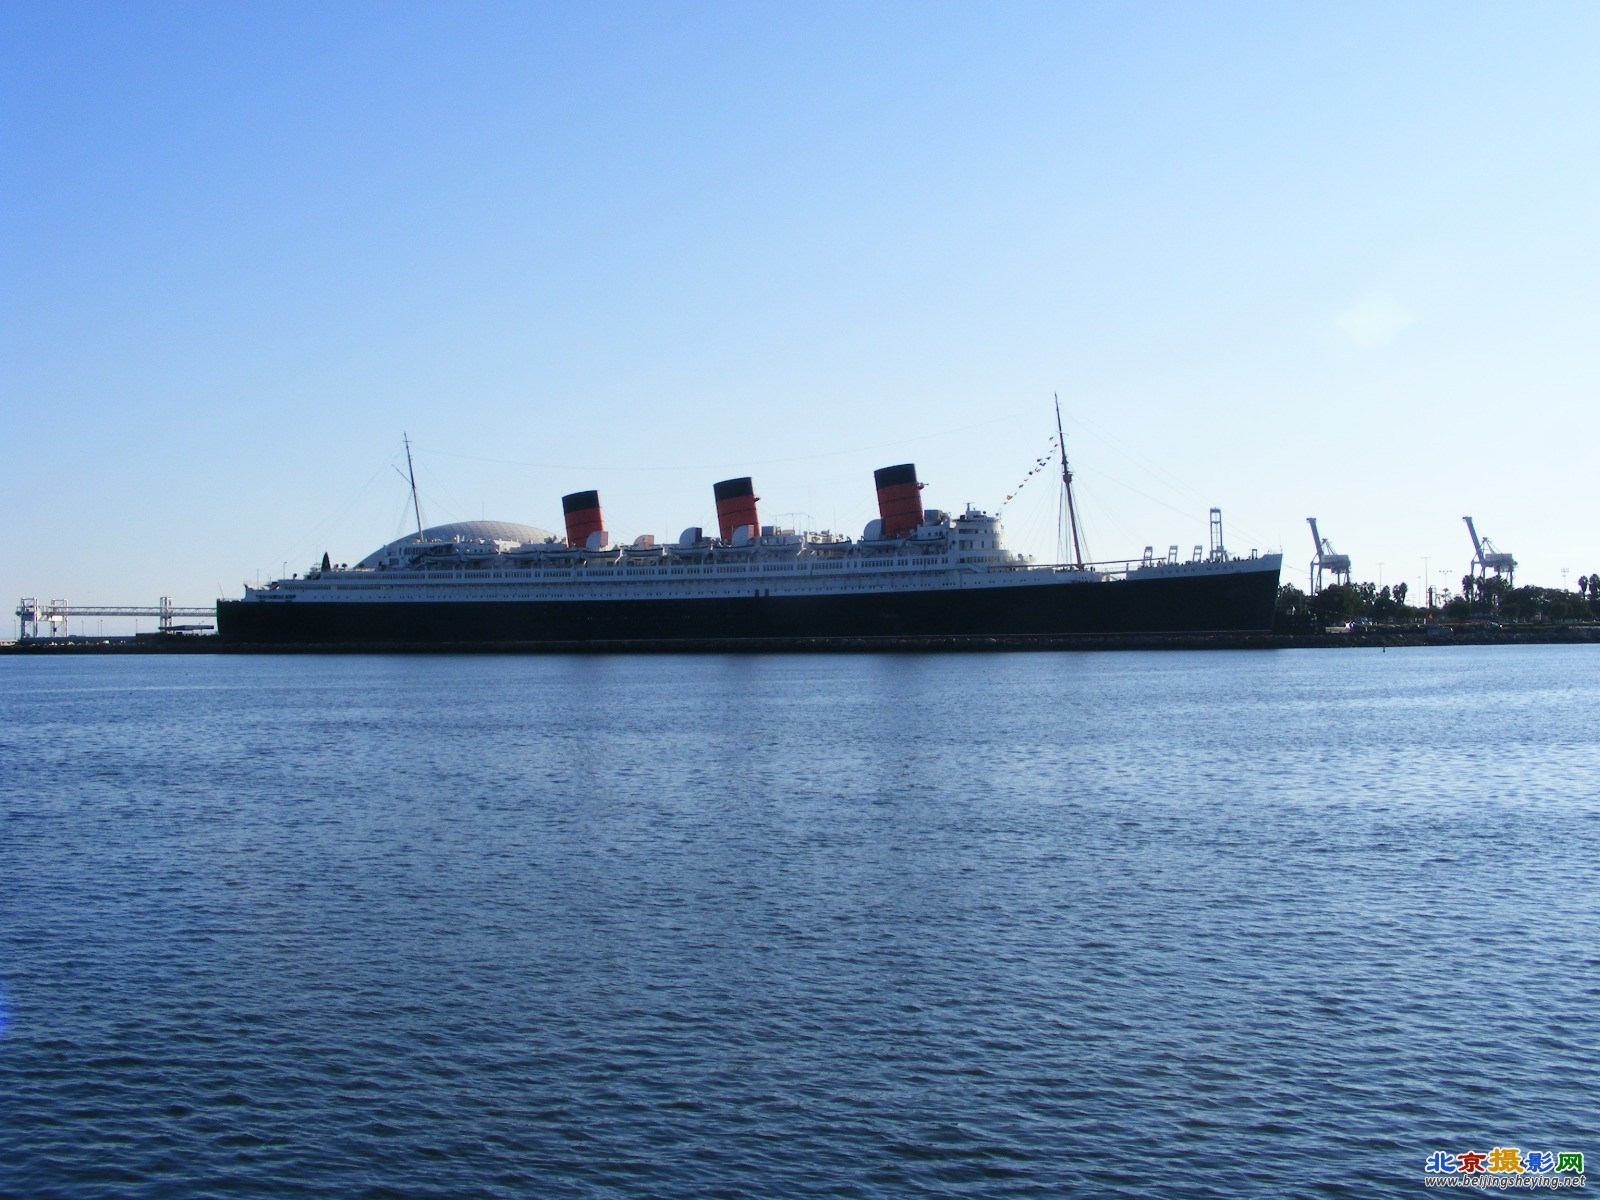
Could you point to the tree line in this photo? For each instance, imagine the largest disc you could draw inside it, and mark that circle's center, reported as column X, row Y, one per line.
column 1480, row 598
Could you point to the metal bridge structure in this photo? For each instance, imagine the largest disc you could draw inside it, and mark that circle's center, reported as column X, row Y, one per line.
column 38, row 619
column 1326, row 561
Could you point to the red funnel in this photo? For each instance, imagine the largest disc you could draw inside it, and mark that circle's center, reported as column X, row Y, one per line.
column 736, row 506
column 582, row 510
column 899, row 499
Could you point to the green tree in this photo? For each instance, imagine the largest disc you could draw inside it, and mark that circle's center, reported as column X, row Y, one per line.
column 1492, row 592
column 1341, row 603
column 1293, row 613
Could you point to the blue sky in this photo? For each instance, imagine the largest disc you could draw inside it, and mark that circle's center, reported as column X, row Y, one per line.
column 1335, row 260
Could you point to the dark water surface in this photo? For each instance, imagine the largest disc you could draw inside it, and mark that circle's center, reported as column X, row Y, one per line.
column 1208, row 924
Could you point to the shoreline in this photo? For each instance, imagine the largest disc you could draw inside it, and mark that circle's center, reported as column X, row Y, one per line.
column 1375, row 637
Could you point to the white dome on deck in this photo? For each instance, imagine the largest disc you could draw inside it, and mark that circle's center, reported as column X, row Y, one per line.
column 487, row 532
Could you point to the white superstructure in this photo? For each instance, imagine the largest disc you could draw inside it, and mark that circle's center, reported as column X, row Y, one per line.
column 943, row 551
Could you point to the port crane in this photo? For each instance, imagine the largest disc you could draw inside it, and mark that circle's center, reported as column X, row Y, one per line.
column 1326, row 562
column 1486, row 558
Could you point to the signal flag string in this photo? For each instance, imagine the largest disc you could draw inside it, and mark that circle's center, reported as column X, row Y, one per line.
column 1039, row 465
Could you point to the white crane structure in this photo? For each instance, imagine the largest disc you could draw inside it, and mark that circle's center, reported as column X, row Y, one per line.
column 1326, row 561
column 34, row 615
column 1486, row 558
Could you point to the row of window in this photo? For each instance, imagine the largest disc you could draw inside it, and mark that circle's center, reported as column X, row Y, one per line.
column 879, row 565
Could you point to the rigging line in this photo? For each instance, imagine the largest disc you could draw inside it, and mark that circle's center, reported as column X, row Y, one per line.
column 439, row 483
column 436, row 503
column 1244, row 526
column 1181, row 488
column 1183, row 512
column 1184, row 488
column 727, row 463
column 1143, row 459
column 400, row 523
column 322, row 531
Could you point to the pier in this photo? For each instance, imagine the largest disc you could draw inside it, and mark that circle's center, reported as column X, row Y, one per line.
column 37, row 620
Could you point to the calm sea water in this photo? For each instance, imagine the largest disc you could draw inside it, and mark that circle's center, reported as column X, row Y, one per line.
column 1158, row 924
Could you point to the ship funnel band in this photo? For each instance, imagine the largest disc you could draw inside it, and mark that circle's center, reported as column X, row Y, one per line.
column 888, row 476
column 899, row 499
column 582, row 510
column 736, row 506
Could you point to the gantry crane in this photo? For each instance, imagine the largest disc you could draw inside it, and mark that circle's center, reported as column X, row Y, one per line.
column 1326, row 561
column 1486, row 558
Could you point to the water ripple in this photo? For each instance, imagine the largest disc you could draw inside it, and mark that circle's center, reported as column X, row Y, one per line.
column 1210, row 925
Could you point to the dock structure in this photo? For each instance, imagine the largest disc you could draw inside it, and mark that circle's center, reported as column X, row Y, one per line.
column 38, row 619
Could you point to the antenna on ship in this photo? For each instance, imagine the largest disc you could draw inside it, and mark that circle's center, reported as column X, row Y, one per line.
column 1066, row 487
column 411, row 474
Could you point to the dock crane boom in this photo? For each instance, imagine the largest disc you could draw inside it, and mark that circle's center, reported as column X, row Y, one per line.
column 1486, row 558
column 1327, row 561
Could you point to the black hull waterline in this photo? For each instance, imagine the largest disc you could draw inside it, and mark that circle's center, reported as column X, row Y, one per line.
column 1233, row 602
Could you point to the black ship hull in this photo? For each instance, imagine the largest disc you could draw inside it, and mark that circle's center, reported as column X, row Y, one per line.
column 1239, row 601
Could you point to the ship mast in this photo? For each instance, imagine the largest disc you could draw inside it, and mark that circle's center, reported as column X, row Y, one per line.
column 412, row 476
column 1066, row 487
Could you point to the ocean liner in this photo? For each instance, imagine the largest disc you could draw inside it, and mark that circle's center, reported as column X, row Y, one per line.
column 916, row 576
